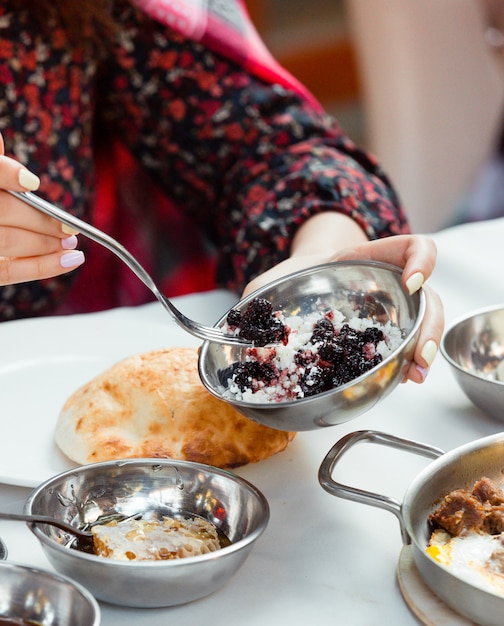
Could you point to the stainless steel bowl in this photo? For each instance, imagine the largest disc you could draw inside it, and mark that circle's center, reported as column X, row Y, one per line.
column 357, row 288
column 459, row 468
column 152, row 488
column 474, row 346
column 3, row 550
column 45, row 598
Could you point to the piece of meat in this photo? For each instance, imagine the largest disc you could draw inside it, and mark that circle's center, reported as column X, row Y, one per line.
column 494, row 521
column 487, row 491
column 481, row 509
column 459, row 511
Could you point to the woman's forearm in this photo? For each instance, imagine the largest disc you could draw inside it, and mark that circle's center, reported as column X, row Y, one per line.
column 326, row 233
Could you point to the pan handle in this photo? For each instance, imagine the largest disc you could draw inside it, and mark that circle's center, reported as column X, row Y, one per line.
column 368, row 497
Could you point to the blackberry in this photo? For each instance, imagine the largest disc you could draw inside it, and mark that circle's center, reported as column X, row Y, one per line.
column 331, row 352
column 259, row 325
column 304, row 358
column 323, row 330
column 233, row 318
column 343, row 358
column 316, row 381
column 246, row 373
column 332, row 357
column 372, row 335
column 350, row 337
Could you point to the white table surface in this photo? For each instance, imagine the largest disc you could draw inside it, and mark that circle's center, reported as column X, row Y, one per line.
column 323, row 560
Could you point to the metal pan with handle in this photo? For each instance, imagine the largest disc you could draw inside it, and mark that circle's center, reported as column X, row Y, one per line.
column 457, row 469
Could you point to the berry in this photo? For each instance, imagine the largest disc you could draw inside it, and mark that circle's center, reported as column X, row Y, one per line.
column 323, row 330
column 249, row 373
column 259, row 325
column 233, row 318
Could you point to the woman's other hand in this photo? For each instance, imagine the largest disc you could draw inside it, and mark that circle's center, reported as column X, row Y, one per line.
column 33, row 246
column 415, row 254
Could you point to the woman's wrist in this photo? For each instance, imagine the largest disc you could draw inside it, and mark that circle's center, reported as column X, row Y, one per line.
column 325, row 234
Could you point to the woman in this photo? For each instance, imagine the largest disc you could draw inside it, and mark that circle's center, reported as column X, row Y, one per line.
column 234, row 141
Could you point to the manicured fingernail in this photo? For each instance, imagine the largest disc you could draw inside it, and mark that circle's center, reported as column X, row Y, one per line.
column 414, row 282
column 429, row 352
column 70, row 243
column 28, row 180
column 423, row 371
column 68, row 230
column 72, row 259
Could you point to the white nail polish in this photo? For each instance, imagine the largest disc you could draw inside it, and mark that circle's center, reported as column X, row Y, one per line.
column 70, row 243
column 414, row 282
column 28, row 180
column 429, row 352
column 72, row 259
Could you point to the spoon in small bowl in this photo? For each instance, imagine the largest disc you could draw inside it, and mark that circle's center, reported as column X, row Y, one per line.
column 83, row 537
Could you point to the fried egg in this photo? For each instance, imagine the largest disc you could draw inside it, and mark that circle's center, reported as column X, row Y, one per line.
column 477, row 558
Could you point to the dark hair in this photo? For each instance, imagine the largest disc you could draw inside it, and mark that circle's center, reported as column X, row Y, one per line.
column 86, row 22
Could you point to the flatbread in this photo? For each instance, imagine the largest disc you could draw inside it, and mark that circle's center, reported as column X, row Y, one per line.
column 154, row 405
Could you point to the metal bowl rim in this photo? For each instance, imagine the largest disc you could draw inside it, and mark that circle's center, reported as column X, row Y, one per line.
column 234, row 547
column 453, row 326
column 286, row 403
column 450, row 456
column 59, row 578
column 315, row 269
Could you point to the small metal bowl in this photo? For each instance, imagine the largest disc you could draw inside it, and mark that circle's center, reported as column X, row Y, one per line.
column 3, row 550
column 474, row 346
column 46, row 598
column 151, row 488
column 364, row 289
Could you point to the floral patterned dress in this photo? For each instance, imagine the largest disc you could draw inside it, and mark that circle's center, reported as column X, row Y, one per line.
column 177, row 151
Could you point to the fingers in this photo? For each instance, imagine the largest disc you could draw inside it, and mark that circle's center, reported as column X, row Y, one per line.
column 20, row 270
column 15, row 176
column 33, row 246
column 26, row 255
column 415, row 254
column 17, row 214
column 22, row 243
column 429, row 339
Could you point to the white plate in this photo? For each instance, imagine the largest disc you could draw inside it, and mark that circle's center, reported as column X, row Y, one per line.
column 44, row 360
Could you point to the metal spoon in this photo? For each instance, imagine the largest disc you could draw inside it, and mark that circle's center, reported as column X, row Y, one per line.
column 194, row 328
column 84, row 537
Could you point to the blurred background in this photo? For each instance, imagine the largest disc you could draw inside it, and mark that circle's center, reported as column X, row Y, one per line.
column 414, row 82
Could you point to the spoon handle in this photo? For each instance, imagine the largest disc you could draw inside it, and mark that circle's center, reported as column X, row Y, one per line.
column 43, row 519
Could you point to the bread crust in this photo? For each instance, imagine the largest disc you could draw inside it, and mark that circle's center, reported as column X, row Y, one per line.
column 154, row 405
